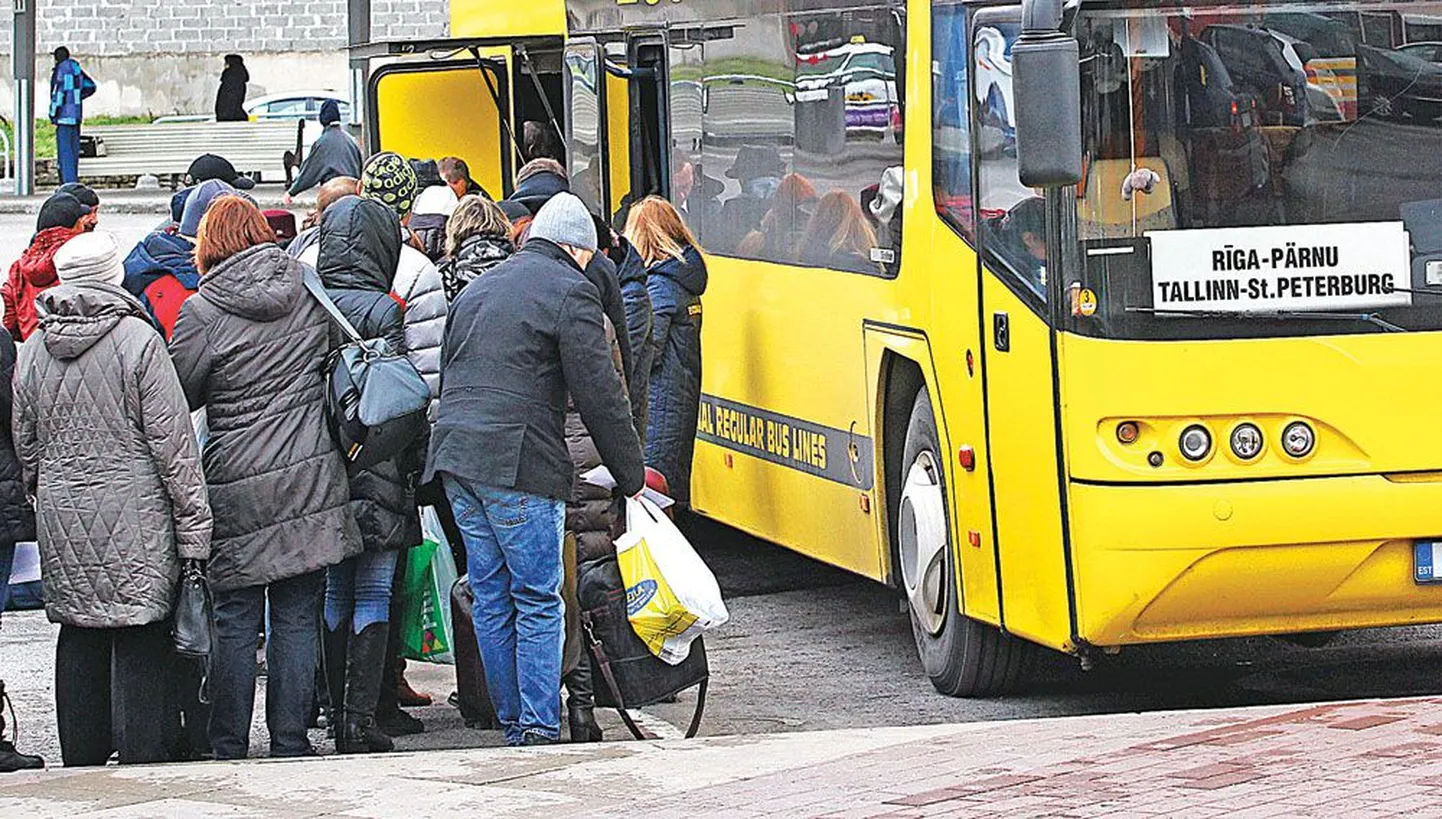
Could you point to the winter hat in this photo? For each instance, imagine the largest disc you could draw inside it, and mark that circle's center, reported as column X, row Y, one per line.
column 60, row 210
column 329, row 112
column 90, row 257
column 565, row 221
column 437, row 199
column 214, row 166
column 87, row 197
column 389, row 179
column 196, row 205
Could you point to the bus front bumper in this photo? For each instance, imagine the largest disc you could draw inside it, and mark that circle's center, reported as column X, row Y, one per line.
column 1164, row 563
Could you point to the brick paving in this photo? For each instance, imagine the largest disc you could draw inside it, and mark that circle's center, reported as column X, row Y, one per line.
column 1368, row 759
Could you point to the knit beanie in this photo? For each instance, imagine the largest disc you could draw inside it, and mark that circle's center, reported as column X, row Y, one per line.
column 390, row 180
column 200, row 199
column 60, row 210
column 565, row 221
column 90, row 257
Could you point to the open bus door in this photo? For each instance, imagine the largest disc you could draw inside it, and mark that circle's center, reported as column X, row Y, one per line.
column 457, row 107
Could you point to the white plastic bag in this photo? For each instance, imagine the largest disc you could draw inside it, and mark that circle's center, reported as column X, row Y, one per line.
column 671, row 595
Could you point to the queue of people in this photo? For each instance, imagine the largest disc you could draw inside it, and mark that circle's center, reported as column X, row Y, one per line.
column 550, row 343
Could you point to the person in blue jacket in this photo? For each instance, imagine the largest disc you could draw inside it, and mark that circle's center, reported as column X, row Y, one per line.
column 675, row 281
column 68, row 86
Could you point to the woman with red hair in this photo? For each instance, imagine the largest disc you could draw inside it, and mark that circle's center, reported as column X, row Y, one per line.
column 250, row 346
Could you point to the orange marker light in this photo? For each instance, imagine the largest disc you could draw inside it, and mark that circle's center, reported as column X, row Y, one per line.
column 974, row 538
column 1128, row 432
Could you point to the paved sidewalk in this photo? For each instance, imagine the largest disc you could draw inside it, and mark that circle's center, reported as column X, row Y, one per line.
column 1357, row 760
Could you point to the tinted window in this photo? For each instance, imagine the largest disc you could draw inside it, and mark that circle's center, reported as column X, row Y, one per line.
column 1012, row 216
column 950, row 119
column 798, row 157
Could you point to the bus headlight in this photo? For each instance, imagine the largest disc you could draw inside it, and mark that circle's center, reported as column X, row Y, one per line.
column 1246, row 441
column 1196, row 442
column 1298, row 439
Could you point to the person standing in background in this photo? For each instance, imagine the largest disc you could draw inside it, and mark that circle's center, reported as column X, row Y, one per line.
column 335, row 153
column 230, row 99
column 68, row 86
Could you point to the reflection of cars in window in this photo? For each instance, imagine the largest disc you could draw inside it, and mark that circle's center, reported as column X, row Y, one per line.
column 867, row 74
column 1431, row 52
column 1267, row 63
column 1401, row 83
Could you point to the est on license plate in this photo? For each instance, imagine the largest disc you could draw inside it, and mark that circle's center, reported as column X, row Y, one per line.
column 1427, row 561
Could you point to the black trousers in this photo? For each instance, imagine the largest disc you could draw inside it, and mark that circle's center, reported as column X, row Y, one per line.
column 113, row 693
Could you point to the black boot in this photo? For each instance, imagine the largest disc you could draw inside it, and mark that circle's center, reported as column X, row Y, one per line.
column 581, row 705
column 333, row 655
column 365, row 659
column 10, row 759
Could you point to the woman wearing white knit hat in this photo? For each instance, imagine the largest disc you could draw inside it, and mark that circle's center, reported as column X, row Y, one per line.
column 103, row 432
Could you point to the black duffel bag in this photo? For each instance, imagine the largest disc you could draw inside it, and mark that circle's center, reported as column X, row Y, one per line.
column 630, row 674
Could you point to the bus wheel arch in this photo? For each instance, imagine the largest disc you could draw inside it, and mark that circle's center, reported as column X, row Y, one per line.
column 961, row 656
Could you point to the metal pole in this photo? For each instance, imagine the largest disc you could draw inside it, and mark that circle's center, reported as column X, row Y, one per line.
column 358, row 13
column 22, row 64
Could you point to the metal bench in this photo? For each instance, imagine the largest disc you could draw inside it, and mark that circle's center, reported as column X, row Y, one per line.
column 254, row 148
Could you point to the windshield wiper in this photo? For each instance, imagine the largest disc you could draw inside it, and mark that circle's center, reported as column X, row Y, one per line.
column 1280, row 315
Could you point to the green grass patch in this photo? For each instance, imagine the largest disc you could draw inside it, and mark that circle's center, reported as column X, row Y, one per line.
column 45, row 132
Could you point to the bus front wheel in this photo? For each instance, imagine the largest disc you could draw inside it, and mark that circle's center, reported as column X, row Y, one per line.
column 961, row 656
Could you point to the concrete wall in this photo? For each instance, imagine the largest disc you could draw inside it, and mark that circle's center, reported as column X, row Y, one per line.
column 164, row 56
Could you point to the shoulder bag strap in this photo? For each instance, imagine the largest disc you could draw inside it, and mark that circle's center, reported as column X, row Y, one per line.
column 317, row 290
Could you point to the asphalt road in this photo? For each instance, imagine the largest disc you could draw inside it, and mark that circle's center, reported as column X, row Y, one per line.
column 810, row 648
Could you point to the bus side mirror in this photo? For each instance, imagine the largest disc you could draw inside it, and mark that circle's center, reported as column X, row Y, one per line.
column 1047, row 89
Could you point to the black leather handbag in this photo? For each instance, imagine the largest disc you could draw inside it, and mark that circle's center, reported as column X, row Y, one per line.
column 631, row 675
column 193, row 629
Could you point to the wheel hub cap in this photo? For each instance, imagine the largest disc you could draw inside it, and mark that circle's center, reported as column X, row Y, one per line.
column 922, row 541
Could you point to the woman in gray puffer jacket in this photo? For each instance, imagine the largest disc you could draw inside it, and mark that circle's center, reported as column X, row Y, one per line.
column 360, row 249
column 103, row 433
column 250, row 346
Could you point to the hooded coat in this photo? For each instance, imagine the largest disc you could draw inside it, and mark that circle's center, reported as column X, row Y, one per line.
column 17, row 516
column 251, row 347
column 103, row 430
column 636, row 301
column 476, row 255
column 335, row 153
column 160, row 272
column 360, row 247
column 230, row 99
column 31, row 274
column 675, row 287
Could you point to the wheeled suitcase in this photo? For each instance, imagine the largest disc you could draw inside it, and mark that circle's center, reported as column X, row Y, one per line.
column 473, row 697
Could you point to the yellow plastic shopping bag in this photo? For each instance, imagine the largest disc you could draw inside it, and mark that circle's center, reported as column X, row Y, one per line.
column 671, row 595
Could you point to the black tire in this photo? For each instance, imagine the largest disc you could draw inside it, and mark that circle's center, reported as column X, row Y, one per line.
column 967, row 658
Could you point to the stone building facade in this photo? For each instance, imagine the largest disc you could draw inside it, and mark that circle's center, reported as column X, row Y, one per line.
column 161, row 57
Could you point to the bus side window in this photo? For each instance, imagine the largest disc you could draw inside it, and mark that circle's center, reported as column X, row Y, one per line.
column 950, row 119
column 1012, row 216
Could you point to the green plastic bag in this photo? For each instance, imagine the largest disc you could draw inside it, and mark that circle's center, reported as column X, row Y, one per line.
column 425, row 604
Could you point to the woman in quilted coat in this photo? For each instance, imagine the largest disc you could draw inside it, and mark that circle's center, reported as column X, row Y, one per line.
column 250, row 346
column 103, row 433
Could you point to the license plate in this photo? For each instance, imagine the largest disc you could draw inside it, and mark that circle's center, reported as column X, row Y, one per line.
column 1427, row 561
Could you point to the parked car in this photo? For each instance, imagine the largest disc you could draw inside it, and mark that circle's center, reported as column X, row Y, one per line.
column 1267, row 63
column 1400, row 83
column 1429, row 51
column 287, row 105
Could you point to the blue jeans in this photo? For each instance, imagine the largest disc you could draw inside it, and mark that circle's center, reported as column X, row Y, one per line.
column 67, row 148
column 359, row 589
column 291, row 659
column 513, row 557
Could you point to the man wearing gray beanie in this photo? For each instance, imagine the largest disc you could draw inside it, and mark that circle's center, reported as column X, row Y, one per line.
column 520, row 338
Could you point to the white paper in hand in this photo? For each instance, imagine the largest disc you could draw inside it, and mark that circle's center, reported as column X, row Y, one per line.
column 602, row 477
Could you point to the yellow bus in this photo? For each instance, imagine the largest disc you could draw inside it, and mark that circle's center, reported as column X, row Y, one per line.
column 1179, row 383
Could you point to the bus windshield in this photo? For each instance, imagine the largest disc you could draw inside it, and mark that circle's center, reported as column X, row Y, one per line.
column 1248, row 167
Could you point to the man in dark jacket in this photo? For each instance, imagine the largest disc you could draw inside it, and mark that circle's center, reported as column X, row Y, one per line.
column 536, row 182
column 335, row 153
column 518, row 340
